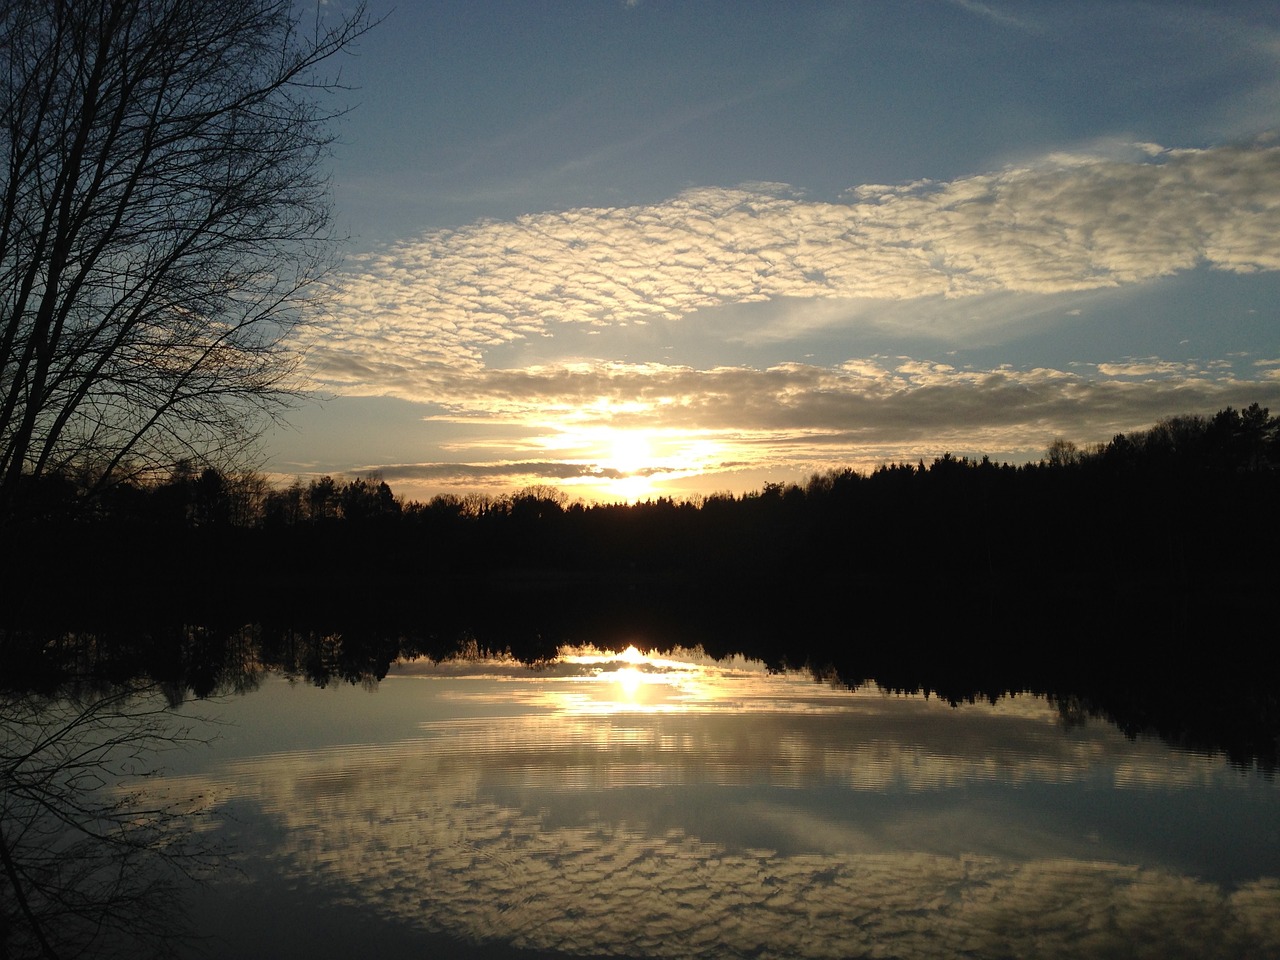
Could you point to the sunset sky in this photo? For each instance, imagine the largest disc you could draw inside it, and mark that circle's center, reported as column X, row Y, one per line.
column 652, row 248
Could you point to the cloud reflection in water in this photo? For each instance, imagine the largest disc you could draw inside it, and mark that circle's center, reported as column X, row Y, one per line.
column 687, row 808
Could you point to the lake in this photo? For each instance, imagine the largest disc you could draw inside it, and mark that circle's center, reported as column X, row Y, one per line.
column 647, row 805
column 625, row 805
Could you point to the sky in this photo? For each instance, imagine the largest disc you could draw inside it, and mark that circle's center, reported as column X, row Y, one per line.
column 636, row 248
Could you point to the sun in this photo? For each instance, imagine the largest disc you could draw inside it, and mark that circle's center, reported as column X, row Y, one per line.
column 629, row 463
column 631, row 451
column 630, row 454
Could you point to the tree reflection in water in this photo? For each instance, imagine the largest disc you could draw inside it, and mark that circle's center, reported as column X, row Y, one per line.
column 91, row 858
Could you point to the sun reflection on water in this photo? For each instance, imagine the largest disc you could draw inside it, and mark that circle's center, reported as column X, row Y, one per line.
column 635, row 682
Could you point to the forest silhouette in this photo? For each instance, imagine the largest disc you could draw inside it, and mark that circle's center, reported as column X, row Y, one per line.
column 1171, row 528
column 1135, row 578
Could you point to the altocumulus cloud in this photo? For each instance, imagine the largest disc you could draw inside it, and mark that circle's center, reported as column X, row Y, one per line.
column 1065, row 223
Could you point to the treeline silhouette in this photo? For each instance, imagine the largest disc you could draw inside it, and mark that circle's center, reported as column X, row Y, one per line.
column 1168, row 528
column 1164, row 527
column 1145, row 564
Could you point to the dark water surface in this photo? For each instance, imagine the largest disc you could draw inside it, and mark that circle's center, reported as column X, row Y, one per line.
column 617, row 805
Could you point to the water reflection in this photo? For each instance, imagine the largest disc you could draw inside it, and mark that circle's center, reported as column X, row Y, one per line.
column 624, row 805
column 92, row 853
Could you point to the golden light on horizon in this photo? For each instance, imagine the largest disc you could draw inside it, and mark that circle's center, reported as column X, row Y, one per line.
column 630, row 463
column 631, row 454
column 631, row 489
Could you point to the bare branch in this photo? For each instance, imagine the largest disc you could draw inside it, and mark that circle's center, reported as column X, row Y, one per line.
column 165, row 224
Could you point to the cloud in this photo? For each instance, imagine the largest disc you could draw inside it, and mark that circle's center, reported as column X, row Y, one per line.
column 425, row 320
column 797, row 417
column 1146, row 368
column 514, row 470
column 794, row 419
column 994, row 14
column 1064, row 223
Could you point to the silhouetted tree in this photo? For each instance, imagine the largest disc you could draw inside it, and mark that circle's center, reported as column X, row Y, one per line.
column 362, row 499
column 164, row 223
column 1062, row 453
column 322, row 498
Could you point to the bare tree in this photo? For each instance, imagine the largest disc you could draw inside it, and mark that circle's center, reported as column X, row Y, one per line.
column 164, row 224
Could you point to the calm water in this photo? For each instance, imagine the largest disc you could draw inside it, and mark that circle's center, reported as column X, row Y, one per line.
column 623, row 806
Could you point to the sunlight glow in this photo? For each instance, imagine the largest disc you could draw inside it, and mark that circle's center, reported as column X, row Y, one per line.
column 590, row 682
column 626, row 464
column 631, row 452
column 629, row 680
column 632, row 681
column 631, row 489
